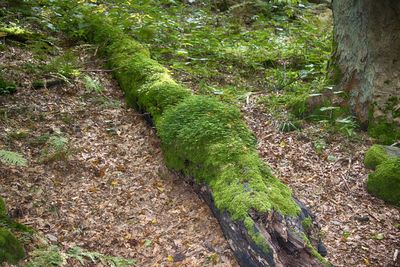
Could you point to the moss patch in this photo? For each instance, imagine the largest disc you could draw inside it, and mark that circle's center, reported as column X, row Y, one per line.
column 3, row 208
column 307, row 223
column 384, row 132
column 11, row 250
column 255, row 235
column 6, row 221
column 375, row 156
column 385, row 181
column 6, row 87
column 208, row 140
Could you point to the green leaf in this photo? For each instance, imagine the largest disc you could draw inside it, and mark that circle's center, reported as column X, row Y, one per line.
column 12, row 158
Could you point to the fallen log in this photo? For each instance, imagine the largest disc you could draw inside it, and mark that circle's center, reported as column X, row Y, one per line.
column 208, row 141
column 287, row 247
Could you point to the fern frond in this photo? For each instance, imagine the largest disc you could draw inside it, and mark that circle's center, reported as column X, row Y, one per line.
column 58, row 142
column 12, row 158
column 80, row 254
column 92, row 85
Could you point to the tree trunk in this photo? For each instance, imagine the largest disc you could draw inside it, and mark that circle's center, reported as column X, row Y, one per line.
column 367, row 57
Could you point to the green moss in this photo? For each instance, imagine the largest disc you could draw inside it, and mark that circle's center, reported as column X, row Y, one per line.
column 38, row 84
column 14, row 226
column 6, row 87
column 3, row 208
column 16, row 32
column 11, row 250
column 147, row 85
column 375, row 156
column 385, row 181
column 307, row 223
column 6, row 221
column 255, row 235
column 315, row 253
column 209, row 141
column 384, row 132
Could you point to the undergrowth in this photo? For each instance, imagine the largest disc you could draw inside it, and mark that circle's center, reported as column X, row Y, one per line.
column 203, row 136
column 53, row 256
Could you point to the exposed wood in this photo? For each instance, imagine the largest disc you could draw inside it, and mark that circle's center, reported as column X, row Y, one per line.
column 288, row 248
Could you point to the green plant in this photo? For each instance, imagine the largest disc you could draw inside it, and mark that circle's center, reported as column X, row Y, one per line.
column 56, row 148
column 81, row 255
column 53, row 256
column 18, row 134
column 92, row 84
column 319, row 145
column 345, row 235
column 347, row 125
column 47, row 256
column 65, row 66
column 106, row 102
column 3, row 208
column 7, row 87
column 39, row 140
column 288, row 126
column 12, row 158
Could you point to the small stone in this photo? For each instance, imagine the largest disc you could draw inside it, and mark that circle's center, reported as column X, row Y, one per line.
column 52, row 238
column 331, row 158
column 322, row 249
column 359, row 218
column 179, row 257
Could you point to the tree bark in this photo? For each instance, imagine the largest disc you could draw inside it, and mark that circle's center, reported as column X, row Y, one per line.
column 367, row 56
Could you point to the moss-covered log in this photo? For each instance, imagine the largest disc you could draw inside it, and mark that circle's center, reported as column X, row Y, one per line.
column 385, row 181
column 208, row 141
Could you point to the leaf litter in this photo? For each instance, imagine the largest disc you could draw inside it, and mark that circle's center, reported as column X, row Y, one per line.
column 110, row 192
column 357, row 228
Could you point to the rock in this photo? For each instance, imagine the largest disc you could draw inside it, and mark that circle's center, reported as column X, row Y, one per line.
column 361, row 218
column 385, row 181
column 322, row 249
column 377, row 154
column 53, row 239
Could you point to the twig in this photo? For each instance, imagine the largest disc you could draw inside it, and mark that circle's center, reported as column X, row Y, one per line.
column 345, row 182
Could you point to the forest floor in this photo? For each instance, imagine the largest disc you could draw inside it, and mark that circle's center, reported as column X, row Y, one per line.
column 107, row 190
column 357, row 228
column 105, row 187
